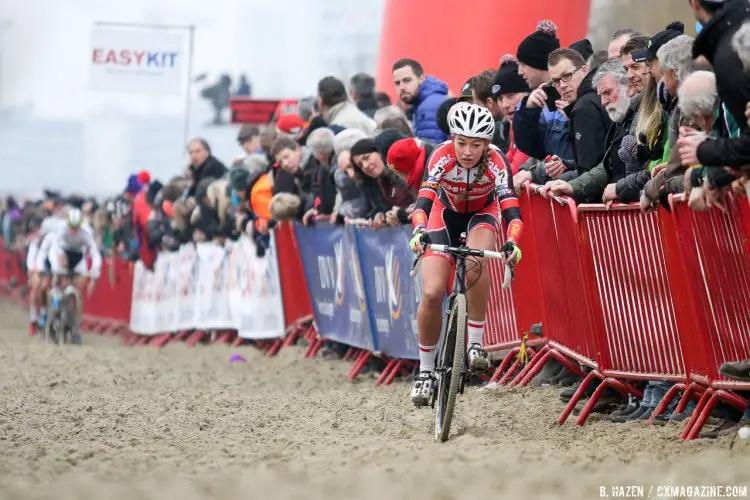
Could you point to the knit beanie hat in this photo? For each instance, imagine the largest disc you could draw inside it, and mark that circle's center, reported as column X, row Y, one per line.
column 583, row 47
column 442, row 114
column 535, row 48
column 385, row 139
column 363, row 146
column 507, row 80
column 133, row 185
column 238, row 177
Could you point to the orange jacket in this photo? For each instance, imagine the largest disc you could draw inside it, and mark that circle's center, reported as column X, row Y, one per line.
column 260, row 200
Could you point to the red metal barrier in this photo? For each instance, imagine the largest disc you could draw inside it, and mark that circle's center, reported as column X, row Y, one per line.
column 640, row 338
column 108, row 307
column 711, row 249
column 298, row 311
column 571, row 316
column 512, row 312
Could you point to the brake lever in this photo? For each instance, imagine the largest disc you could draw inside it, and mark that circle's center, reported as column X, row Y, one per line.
column 415, row 266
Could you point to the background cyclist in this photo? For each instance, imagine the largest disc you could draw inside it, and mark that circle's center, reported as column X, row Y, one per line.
column 469, row 183
column 66, row 251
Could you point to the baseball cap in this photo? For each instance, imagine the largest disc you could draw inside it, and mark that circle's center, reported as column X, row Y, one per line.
column 656, row 42
column 466, row 91
column 291, row 124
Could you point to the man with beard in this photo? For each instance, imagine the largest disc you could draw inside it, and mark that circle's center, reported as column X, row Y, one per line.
column 611, row 83
column 424, row 94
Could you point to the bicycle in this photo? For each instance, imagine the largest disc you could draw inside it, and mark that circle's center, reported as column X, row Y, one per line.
column 451, row 359
column 63, row 308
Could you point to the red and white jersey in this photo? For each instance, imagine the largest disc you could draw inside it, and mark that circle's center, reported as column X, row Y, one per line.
column 459, row 188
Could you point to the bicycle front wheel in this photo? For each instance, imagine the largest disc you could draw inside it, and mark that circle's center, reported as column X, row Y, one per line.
column 69, row 318
column 451, row 367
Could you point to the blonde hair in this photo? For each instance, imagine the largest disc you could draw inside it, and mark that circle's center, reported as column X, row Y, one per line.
column 285, row 206
column 650, row 119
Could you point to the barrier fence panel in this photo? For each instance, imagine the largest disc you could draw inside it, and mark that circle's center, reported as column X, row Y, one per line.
column 334, row 278
column 572, row 316
column 296, row 296
column 208, row 287
column 640, row 330
column 713, row 247
column 392, row 294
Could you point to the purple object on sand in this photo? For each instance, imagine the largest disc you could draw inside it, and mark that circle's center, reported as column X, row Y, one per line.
column 236, row 358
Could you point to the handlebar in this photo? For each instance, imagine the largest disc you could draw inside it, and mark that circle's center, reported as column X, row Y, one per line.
column 464, row 252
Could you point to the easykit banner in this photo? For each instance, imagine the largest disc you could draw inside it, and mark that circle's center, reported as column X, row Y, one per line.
column 393, row 295
column 334, row 276
column 209, row 287
column 132, row 60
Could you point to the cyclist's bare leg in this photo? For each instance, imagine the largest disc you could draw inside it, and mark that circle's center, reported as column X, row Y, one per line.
column 33, row 297
column 478, row 292
column 436, row 271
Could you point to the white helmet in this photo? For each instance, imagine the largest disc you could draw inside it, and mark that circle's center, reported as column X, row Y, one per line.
column 471, row 120
column 74, row 218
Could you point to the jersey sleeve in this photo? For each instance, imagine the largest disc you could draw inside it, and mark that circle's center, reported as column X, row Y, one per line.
column 429, row 188
column 506, row 198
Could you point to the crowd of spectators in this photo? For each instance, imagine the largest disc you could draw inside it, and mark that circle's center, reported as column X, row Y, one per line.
column 648, row 116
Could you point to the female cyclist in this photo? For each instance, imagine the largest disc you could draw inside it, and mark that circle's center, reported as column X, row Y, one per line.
column 469, row 183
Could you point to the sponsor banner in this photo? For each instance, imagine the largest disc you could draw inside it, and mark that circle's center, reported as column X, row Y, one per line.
column 207, row 287
column 143, row 61
column 334, row 277
column 393, row 295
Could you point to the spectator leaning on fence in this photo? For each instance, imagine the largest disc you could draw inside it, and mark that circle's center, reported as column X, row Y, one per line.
column 381, row 187
column 720, row 21
column 299, row 162
column 538, row 130
column 350, row 201
column 588, row 121
column 612, row 84
column 336, row 108
column 320, row 143
column 676, row 63
column 652, row 121
column 423, row 94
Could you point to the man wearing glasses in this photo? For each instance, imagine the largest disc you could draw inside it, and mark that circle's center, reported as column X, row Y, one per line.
column 540, row 130
column 588, row 121
column 570, row 93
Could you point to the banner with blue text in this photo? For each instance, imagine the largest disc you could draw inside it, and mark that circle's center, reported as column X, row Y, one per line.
column 334, row 277
column 393, row 295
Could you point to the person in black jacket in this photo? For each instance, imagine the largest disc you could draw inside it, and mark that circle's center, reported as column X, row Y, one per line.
column 588, row 121
column 203, row 165
column 301, row 164
column 611, row 83
column 720, row 19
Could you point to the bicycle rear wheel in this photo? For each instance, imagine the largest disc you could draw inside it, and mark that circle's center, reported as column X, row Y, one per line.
column 450, row 367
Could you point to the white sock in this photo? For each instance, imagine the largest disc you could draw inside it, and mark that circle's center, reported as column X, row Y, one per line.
column 427, row 358
column 32, row 313
column 476, row 331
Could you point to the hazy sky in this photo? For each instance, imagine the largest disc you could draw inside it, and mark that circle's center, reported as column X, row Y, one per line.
column 97, row 138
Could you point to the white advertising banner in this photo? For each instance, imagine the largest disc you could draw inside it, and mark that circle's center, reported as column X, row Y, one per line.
column 207, row 287
column 143, row 61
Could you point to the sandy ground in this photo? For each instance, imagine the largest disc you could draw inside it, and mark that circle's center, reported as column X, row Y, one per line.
column 102, row 421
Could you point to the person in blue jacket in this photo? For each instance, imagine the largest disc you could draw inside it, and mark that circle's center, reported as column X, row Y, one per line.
column 424, row 94
column 538, row 130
